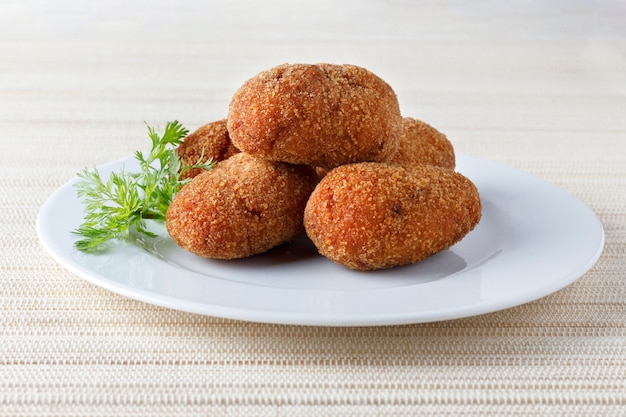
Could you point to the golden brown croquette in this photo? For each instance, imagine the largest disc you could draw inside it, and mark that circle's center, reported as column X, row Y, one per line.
column 209, row 141
column 322, row 115
column 421, row 143
column 371, row 216
column 243, row 206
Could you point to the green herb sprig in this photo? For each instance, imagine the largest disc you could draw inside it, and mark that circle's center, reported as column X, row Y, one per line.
column 120, row 206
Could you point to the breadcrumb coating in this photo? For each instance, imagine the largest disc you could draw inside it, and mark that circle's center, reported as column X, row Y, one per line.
column 209, row 141
column 370, row 216
column 420, row 143
column 322, row 115
column 322, row 148
column 243, row 206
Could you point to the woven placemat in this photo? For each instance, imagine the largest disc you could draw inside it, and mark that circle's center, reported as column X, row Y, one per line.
column 552, row 106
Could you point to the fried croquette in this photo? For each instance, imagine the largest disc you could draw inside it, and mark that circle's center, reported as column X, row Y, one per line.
column 370, row 216
column 421, row 143
column 322, row 115
column 209, row 141
column 242, row 207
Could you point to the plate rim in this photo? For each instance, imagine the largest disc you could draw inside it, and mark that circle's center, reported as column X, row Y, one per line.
column 252, row 315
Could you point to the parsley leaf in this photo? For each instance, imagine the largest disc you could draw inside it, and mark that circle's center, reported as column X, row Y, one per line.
column 119, row 207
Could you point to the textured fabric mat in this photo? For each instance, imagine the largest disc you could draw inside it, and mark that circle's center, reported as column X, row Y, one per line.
column 539, row 87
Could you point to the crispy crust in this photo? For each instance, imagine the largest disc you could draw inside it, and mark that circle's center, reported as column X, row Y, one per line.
column 244, row 206
column 316, row 114
column 209, row 141
column 371, row 216
column 421, row 143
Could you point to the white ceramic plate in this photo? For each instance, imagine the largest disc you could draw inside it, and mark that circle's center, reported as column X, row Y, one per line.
column 533, row 239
